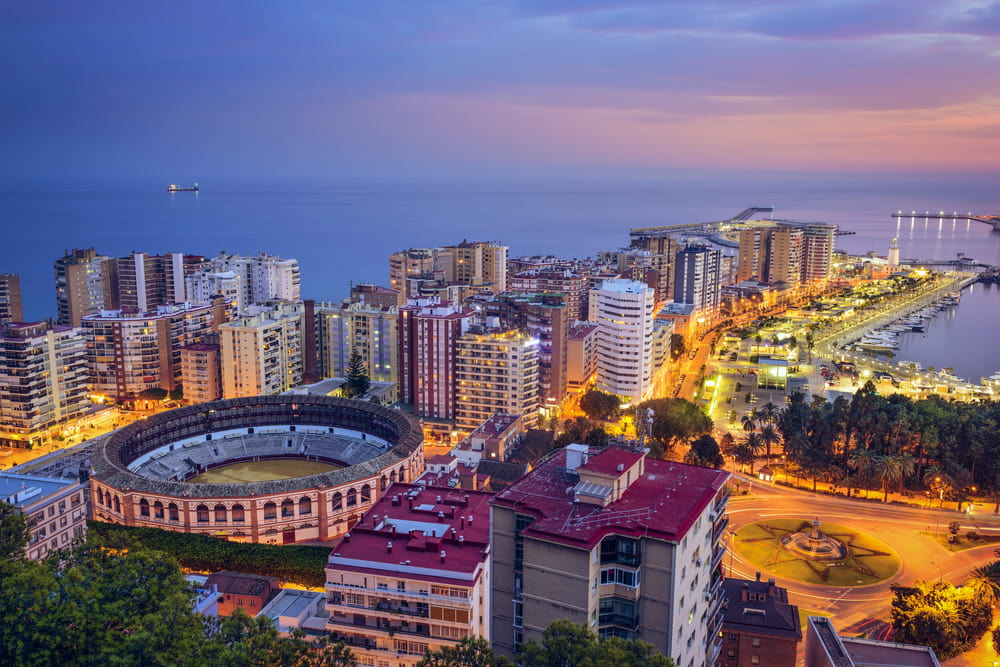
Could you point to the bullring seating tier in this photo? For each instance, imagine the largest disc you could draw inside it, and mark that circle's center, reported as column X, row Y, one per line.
column 191, row 458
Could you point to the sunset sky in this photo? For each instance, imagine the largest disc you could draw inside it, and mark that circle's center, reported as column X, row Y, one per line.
column 126, row 90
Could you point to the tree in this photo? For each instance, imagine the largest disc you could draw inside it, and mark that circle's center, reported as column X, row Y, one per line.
column 705, row 452
column 599, row 405
column 470, row 652
column 888, row 468
column 950, row 620
column 153, row 394
column 676, row 420
column 677, row 346
column 566, row 644
column 14, row 533
column 356, row 375
column 749, row 449
column 177, row 393
column 573, row 431
column 985, row 582
column 769, row 436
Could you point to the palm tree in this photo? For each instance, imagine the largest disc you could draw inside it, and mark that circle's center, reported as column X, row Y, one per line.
column 862, row 460
column 769, row 436
column 985, row 582
column 889, row 470
column 752, row 446
column 768, row 413
column 749, row 421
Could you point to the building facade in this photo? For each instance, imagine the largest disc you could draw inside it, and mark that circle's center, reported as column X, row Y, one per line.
column 759, row 626
column 581, row 355
column 697, row 277
column 55, row 508
column 263, row 354
column 628, row 546
column 43, row 380
column 412, row 575
column 495, row 372
column 369, row 328
column 129, row 352
column 86, row 283
column 623, row 311
column 817, row 252
column 428, row 335
column 201, row 371
column 11, row 308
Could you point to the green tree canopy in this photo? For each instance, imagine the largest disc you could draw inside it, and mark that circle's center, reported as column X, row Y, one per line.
column 470, row 652
column 705, row 452
column 599, row 405
column 356, row 375
column 948, row 619
column 675, row 421
column 566, row 644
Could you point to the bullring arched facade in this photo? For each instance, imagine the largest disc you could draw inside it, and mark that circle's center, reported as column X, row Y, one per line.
column 130, row 485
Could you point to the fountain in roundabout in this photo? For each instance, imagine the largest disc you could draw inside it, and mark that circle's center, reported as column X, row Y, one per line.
column 814, row 545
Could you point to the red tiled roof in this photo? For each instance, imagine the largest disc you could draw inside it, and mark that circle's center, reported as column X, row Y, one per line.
column 414, row 547
column 664, row 502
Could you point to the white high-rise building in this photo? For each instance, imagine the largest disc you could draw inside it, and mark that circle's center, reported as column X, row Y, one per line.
column 202, row 286
column 623, row 312
column 262, row 354
column 260, row 278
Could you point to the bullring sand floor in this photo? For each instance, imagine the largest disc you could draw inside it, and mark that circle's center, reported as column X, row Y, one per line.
column 261, row 471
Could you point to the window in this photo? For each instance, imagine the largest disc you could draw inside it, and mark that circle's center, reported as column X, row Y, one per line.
column 366, row 493
column 305, row 505
column 287, row 508
column 220, row 513
column 731, row 654
column 270, row 511
column 401, row 586
column 172, row 512
column 337, row 501
column 202, row 513
column 755, row 660
column 352, row 498
column 614, row 575
column 518, row 614
column 238, row 514
column 755, row 642
column 143, row 507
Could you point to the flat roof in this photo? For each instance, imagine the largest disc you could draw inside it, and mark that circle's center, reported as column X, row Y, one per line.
column 290, row 602
column 22, row 490
column 663, row 502
column 872, row 653
column 409, row 527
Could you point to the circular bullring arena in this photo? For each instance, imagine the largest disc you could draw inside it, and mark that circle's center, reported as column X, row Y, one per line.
column 271, row 469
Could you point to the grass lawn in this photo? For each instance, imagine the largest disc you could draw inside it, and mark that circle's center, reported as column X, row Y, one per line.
column 868, row 561
column 961, row 543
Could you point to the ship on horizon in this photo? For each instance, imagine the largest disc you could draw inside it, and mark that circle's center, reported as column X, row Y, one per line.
column 181, row 188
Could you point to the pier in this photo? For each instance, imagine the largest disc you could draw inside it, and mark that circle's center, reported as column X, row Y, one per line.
column 992, row 220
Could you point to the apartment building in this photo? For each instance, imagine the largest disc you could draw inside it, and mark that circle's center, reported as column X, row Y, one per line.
column 428, row 336
column 129, row 352
column 248, row 280
column 201, row 371
column 263, row 354
column 697, row 277
column 413, row 574
column 370, row 328
column 11, row 308
column 43, row 380
column 759, row 625
column 86, row 283
column 496, row 371
column 626, row 545
column 817, row 252
column 581, row 355
column 623, row 311
column 564, row 281
column 56, row 510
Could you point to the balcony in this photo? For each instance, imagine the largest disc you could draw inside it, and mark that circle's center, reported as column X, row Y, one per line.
column 719, row 529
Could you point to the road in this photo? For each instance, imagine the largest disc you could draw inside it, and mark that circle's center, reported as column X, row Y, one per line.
column 898, row 526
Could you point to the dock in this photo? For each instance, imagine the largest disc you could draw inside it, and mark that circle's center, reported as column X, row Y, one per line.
column 990, row 219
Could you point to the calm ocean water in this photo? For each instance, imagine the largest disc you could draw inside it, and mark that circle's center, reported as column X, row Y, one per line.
column 341, row 233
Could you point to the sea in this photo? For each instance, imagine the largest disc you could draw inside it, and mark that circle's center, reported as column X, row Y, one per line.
column 343, row 232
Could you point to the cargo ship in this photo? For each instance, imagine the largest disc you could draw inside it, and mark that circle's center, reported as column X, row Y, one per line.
column 181, row 188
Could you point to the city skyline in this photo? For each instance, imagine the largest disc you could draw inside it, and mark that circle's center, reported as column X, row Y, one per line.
column 125, row 93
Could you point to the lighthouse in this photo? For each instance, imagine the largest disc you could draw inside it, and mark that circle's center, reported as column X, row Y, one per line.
column 894, row 254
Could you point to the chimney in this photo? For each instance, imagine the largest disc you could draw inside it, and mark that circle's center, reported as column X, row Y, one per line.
column 463, row 523
column 770, row 587
column 442, row 555
column 388, row 547
column 440, row 517
column 347, row 537
column 470, row 519
column 461, row 540
column 758, row 575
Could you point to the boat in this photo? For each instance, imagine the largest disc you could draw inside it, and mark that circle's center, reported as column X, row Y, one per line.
column 181, row 188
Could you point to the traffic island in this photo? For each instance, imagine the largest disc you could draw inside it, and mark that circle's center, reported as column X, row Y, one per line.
column 781, row 547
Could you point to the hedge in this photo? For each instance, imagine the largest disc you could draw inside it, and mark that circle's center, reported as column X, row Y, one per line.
column 293, row 563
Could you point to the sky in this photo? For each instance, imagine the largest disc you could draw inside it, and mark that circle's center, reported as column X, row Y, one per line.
column 255, row 90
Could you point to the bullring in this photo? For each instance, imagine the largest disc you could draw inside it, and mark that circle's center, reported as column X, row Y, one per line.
column 139, row 473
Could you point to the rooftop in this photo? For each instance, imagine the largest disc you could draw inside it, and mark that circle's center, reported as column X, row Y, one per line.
column 239, row 583
column 420, row 532
column 23, row 490
column 625, row 286
column 759, row 607
column 664, row 501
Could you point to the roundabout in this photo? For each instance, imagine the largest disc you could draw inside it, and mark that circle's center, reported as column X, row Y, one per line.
column 817, row 553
